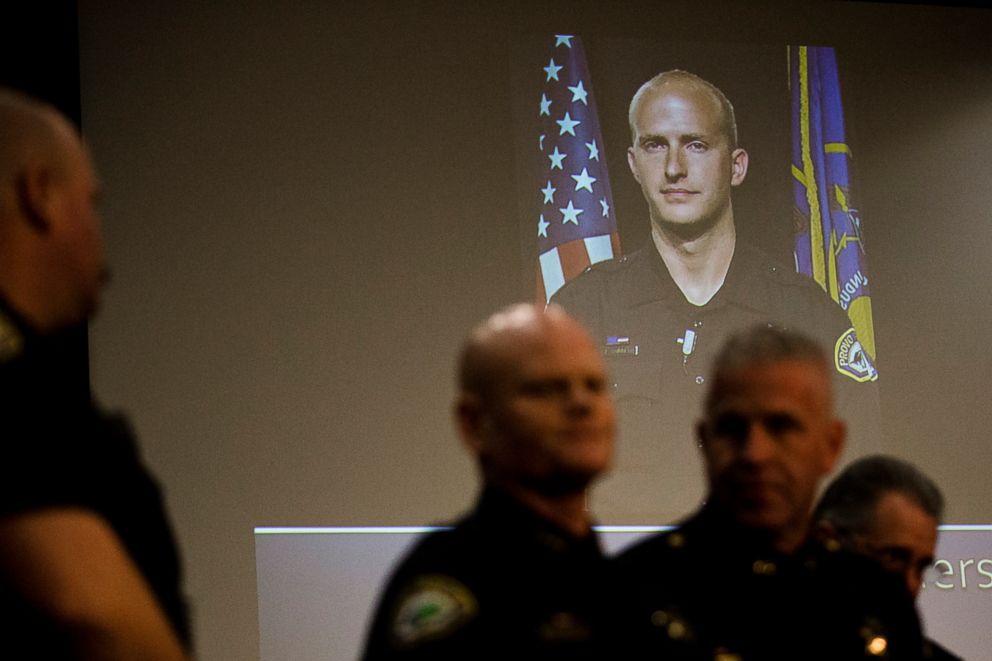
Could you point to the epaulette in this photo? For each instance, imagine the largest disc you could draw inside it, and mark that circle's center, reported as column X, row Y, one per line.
column 607, row 265
column 604, row 268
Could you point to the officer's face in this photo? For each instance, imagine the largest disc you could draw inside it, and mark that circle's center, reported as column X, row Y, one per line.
column 549, row 422
column 682, row 158
column 902, row 538
column 767, row 442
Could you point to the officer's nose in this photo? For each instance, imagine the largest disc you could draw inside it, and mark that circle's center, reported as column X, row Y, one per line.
column 758, row 445
column 580, row 399
column 675, row 166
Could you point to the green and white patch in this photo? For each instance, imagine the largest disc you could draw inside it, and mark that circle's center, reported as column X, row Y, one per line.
column 432, row 607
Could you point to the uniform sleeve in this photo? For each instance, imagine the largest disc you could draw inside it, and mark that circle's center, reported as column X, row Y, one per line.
column 426, row 612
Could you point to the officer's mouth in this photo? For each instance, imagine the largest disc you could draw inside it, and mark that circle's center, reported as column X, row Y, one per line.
column 678, row 193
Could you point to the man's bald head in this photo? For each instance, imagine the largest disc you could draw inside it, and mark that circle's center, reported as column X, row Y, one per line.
column 32, row 134
column 485, row 354
column 533, row 404
column 51, row 252
column 683, row 80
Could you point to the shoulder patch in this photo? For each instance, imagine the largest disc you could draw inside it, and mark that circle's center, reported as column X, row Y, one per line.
column 852, row 360
column 11, row 342
column 432, row 607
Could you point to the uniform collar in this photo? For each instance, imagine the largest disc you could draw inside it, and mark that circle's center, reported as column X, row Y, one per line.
column 713, row 529
column 507, row 516
column 745, row 283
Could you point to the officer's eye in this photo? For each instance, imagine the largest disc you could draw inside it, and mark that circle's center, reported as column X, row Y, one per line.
column 780, row 424
column 538, row 388
column 596, row 385
column 894, row 559
column 730, row 426
column 697, row 146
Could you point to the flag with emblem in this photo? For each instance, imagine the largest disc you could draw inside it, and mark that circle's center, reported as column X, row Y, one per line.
column 573, row 206
column 830, row 244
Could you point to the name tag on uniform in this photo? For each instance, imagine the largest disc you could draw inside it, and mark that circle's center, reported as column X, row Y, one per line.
column 619, row 345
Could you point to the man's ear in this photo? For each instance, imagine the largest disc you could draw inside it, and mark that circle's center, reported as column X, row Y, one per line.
column 35, row 188
column 738, row 166
column 469, row 419
column 824, row 530
column 631, row 162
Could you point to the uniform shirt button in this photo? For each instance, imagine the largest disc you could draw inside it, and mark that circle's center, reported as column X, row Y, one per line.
column 697, row 324
column 700, row 380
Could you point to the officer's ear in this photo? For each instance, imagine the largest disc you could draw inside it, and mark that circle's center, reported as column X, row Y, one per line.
column 738, row 166
column 824, row 530
column 36, row 189
column 631, row 161
column 469, row 420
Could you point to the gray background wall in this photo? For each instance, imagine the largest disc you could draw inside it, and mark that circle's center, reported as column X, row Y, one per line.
column 308, row 205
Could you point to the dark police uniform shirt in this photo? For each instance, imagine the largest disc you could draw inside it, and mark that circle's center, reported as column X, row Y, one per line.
column 712, row 590
column 659, row 348
column 60, row 451
column 504, row 583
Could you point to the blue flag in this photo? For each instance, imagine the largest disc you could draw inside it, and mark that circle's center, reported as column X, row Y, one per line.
column 573, row 204
column 829, row 242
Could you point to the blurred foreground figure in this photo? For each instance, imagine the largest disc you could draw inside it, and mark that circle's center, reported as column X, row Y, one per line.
column 888, row 510
column 522, row 576
column 738, row 579
column 88, row 565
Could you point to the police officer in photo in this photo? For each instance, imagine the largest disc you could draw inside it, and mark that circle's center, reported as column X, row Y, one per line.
column 661, row 313
column 887, row 509
column 522, row 576
column 740, row 579
column 89, row 568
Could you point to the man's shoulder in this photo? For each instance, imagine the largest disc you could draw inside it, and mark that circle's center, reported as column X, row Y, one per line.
column 787, row 298
column 431, row 596
column 764, row 268
column 604, row 278
column 439, row 547
column 664, row 555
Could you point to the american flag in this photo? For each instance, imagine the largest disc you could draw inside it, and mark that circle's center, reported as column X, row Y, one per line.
column 573, row 204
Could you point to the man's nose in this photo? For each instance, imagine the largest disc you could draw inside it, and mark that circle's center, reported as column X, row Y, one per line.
column 580, row 398
column 675, row 167
column 758, row 444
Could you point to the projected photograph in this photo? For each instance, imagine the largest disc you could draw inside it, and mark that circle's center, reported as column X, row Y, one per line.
column 724, row 198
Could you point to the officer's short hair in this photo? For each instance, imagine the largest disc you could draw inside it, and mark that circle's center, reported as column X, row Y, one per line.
column 479, row 363
column 27, row 133
column 849, row 502
column 728, row 118
column 762, row 345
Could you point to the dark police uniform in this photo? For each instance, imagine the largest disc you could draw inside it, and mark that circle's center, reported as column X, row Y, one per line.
column 504, row 583
column 722, row 593
column 60, row 451
column 659, row 349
